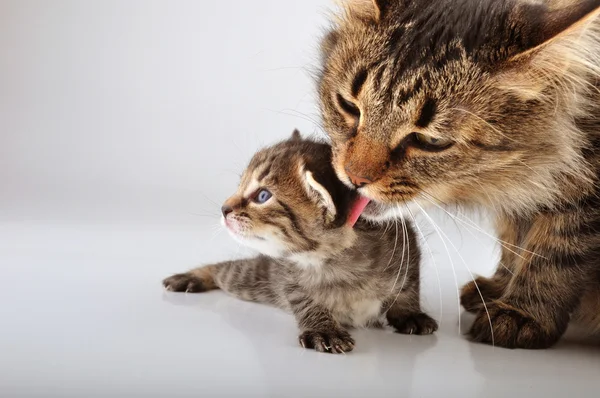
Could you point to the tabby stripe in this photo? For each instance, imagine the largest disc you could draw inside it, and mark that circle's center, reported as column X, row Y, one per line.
column 358, row 82
column 403, row 183
column 279, row 227
column 294, row 220
column 265, row 173
column 427, row 113
column 295, row 302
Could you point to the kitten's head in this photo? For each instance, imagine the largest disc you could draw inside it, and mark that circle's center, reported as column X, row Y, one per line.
column 290, row 201
column 459, row 101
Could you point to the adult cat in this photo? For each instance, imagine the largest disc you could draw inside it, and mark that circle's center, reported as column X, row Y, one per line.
column 481, row 102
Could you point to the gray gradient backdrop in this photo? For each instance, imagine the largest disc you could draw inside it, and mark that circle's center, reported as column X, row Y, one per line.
column 123, row 125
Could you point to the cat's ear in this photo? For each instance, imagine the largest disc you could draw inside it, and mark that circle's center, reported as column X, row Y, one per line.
column 318, row 193
column 543, row 24
column 296, row 136
column 372, row 9
column 553, row 47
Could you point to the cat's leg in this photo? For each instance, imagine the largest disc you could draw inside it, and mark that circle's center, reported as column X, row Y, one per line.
column 318, row 329
column 549, row 277
column 403, row 313
column 484, row 290
column 247, row 279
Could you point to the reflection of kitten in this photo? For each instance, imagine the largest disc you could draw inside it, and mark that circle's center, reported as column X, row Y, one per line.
column 492, row 103
column 291, row 207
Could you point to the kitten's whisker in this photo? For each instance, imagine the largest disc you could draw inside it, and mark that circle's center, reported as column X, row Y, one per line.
column 205, row 215
column 437, row 272
column 451, row 262
column 215, row 233
column 210, row 200
column 443, row 234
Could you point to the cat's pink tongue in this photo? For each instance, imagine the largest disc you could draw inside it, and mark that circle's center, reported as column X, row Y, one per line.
column 357, row 209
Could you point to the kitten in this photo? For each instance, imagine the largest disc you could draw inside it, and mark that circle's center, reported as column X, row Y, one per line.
column 291, row 207
column 492, row 103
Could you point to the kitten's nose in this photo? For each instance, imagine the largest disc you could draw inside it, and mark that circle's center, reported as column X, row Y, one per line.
column 226, row 210
column 357, row 181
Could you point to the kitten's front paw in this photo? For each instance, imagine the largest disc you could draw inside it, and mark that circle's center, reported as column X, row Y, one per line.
column 506, row 326
column 332, row 341
column 420, row 323
column 188, row 283
column 471, row 294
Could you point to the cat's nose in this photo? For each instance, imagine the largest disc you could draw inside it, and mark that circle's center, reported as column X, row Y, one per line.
column 226, row 210
column 356, row 180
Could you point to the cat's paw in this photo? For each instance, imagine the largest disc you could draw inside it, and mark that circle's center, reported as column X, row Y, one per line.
column 419, row 323
column 506, row 326
column 332, row 341
column 471, row 294
column 187, row 282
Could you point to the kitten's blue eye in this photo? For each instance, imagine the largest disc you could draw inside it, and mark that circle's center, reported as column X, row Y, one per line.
column 262, row 196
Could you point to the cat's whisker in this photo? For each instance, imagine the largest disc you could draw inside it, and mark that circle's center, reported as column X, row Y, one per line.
column 443, row 235
column 437, row 272
column 470, row 223
column 449, row 258
column 492, row 202
column 395, row 245
column 405, row 229
column 455, row 217
column 484, row 121
column 295, row 113
column 407, row 264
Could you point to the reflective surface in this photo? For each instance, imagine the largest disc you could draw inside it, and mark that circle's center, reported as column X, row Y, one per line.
column 83, row 311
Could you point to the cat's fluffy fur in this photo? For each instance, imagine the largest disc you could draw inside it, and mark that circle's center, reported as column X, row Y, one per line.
column 329, row 275
column 481, row 102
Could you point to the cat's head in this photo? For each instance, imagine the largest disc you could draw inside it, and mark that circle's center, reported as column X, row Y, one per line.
column 290, row 202
column 459, row 101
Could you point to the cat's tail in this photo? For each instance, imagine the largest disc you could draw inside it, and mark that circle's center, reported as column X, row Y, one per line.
column 247, row 279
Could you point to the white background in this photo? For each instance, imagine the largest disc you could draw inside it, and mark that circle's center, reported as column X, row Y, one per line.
column 123, row 126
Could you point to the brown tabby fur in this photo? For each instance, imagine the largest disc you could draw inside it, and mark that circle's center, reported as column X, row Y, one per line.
column 513, row 87
column 329, row 275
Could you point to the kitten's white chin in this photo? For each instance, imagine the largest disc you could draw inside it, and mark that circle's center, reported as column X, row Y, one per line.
column 263, row 246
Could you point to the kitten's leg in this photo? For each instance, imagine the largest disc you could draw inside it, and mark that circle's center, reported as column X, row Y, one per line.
column 492, row 288
column 247, row 279
column 535, row 308
column 405, row 316
column 319, row 330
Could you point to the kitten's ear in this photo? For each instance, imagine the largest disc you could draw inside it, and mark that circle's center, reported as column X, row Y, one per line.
column 372, row 9
column 542, row 24
column 296, row 136
column 318, row 193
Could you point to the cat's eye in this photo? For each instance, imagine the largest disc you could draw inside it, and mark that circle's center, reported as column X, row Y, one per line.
column 432, row 142
column 349, row 107
column 262, row 196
